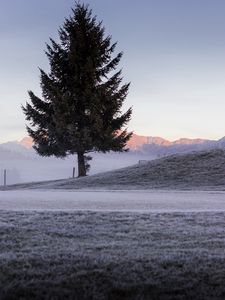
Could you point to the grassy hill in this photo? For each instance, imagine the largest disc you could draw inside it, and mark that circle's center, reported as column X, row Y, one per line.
column 195, row 170
column 198, row 170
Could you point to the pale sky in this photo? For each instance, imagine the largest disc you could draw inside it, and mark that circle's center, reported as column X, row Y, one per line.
column 174, row 56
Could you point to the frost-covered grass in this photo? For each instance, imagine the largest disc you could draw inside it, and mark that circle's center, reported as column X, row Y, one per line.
column 198, row 170
column 122, row 201
column 114, row 255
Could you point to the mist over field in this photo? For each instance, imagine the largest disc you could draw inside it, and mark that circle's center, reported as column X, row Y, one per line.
column 28, row 166
column 23, row 164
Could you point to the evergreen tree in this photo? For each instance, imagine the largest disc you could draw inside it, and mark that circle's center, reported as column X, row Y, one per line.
column 80, row 109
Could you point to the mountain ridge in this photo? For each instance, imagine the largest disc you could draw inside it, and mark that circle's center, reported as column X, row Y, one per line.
column 153, row 145
column 136, row 141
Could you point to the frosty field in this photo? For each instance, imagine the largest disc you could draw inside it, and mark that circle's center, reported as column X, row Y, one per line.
column 103, row 200
column 112, row 245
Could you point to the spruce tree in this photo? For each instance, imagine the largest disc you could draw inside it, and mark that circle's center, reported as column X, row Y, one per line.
column 82, row 95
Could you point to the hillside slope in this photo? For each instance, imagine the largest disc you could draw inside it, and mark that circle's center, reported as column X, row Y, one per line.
column 198, row 170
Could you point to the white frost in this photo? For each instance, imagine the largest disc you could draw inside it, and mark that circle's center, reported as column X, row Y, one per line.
column 137, row 201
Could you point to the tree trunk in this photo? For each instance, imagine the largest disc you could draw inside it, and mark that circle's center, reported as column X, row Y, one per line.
column 81, row 164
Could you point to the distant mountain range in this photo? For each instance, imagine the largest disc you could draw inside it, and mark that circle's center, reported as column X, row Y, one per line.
column 149, row 145
column 137, row 141
column 157, row 146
